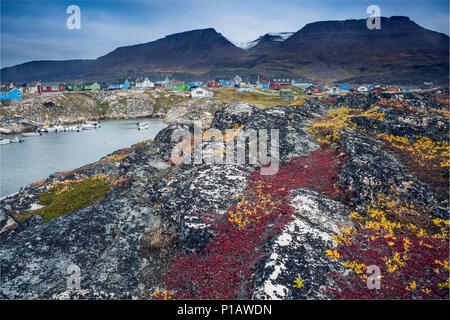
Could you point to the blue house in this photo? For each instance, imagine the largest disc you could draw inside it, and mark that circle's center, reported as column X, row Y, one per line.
column 227, row 84
column 126, row 84
column 114, row 86
column 344, row 87
column 195, row 84
column 12, row 94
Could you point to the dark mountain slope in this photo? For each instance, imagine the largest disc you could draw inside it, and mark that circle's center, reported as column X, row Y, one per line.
column 45, row 70
column 337, row 49
column 197, row 50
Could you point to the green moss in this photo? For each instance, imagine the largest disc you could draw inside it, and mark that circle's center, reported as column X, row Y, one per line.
column 72, row 195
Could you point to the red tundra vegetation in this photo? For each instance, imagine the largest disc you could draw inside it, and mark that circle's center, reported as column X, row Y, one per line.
column 398, row 105
column 408, row 246
column 225, row 268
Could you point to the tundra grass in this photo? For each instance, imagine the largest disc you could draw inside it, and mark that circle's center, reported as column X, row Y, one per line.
column 258, row 98
column 71, row 195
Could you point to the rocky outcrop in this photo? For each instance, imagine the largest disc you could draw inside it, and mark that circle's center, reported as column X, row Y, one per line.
column 298, row 251
column 122, row 244
column 371, row 171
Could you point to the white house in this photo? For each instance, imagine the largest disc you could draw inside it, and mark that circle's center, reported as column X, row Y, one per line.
column 33, row 87
column 362, row 89
column 144, row 83
column 201, row 93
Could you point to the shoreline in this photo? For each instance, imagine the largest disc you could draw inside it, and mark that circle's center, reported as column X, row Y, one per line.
column 26, row 127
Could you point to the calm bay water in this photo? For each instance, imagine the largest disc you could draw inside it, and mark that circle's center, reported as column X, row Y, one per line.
column 40, row 156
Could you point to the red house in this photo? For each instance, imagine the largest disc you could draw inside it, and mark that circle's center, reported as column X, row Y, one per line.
column 377, row 90
column 213, row 84
column 275, row 86
column 283, row 82
column 313, row 89
column 392, row 89
column 49, row 87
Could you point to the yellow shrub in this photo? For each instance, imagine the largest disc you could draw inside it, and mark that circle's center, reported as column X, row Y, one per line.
column 327, row 128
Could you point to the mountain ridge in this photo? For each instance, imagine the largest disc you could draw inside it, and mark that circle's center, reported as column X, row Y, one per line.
column 324, row 50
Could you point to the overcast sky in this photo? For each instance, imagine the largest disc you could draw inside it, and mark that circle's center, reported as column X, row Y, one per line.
column 36, row 30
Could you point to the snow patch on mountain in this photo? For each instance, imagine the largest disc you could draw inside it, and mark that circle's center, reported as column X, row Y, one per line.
column 275, row 36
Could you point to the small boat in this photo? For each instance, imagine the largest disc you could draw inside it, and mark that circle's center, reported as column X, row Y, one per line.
column 58, row 129
column 4, row 141
column 88, row 125
column 74, row 128
column 16, row 140
column 42, row 130
column 94, row 123
column 143, row 125
column 29, row 134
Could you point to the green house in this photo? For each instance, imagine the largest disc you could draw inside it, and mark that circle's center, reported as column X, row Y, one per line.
column 286, row 94
column 180, row 87
column 92, row 86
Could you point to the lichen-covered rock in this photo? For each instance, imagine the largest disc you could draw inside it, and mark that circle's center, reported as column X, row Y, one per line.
column 371, row 171
column 299, row 250
column 234, row 115
column 36, row 264
column 189, row 193
column 290, row 122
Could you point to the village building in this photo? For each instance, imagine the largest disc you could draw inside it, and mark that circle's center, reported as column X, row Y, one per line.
column 362, row 89
column 92, row 86
column 195, row 84
column 119, row 85
column 302, row 85
column 202, row 93
column 33, row 87
column 314, row 89
column 126, row 84
column 377, row 90
column 344, row 87
column 212, row 84
column 286, row 94
column 7, row 94
column 8, row 85
column 79, row 86
column 275, row 86
column 144, row 82
column 283, row 82
column 114, row 86
column 237, row 80
column 180, row 86
column 392, row 89
column 50, row 88
column 227, row 84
